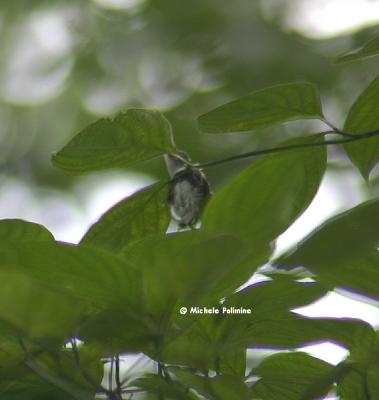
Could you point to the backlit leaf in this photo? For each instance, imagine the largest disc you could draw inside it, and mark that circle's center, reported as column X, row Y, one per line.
column 364, row 117
column 266, row 198
column 369, row 49
column 292, row 376
column 16, row 230
column 130, row 137
column 264, row 108
column 349, row 256
column 132, row 219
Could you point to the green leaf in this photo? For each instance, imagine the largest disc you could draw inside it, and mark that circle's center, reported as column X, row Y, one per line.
column 343, row 250
column 115, row 330
column 177, row 270
column 266, row 298
column 225, row 336
column 58, row 380
column 35, row 310
column 86, row 273
column 190, row 264
column 64, row 366
column 34, row 389
column 130, row 137
column 264, row 108
column 369, row 49
column 267, row 197
column 372, row 380
column 224, row 387
column 142, row 214
column 169, row 390
column 292, row 376
column 202, row 347
column 17, row 230
column 351, row 386
column 288, row 330
column 363, row 117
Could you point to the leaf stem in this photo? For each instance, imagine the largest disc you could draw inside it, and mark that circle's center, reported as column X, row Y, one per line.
column 348, row 137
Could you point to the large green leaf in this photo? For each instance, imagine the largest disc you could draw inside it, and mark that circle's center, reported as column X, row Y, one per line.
column 343, row 251
column 115, row 330
column 82, row 368
column 292, row 376
column 271, row 325
column 38, row 389
column 273, row 296
column 372, row 379
column 223, row 336
column 263, row 108
column 183, row 269
column 163, row 388
column 363, row 117
column 177, row 270
column 352, row 386
column 132, row 219
column 224, row 387
column 369, row 49
column 35, row 310
column 85, row 273
column 266, row 198
column 201, row 347
column 287, row 330
column 130, row 137
column 17, row 230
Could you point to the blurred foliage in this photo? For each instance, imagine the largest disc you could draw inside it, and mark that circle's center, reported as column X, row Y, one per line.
column 64, row 63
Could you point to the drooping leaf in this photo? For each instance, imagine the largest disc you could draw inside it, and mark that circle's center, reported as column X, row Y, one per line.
column 266, row 198
column 369, row 49
column 264, row 108
column 273, row 296
column 17, row 230
column 349, row 256
column 132, row 219
column 288, row 330
column 292, row 376
column 130, row 137
column 363, row 117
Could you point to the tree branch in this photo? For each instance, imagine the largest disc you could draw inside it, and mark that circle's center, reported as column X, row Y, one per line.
column 348, row 137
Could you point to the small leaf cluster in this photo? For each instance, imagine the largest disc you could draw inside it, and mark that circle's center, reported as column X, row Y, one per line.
column 120, row 290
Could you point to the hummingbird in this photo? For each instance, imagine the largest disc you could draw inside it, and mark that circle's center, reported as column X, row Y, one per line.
column 188, row 189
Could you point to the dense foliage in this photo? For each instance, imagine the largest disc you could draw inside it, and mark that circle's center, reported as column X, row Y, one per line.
column 68, row 310
column 121, row 289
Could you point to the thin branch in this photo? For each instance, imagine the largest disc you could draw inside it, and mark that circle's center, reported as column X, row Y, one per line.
column 117, row 372
column 110, row 376
column 348, row 137
column 83, row 371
